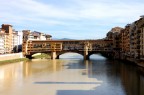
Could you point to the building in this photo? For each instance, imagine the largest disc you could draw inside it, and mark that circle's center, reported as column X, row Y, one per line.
column 15, row 40
column 2, row 41
column 9, row 39
column 48, row 37
column 139, row 38
column 28, row 35
column 142, row 38
column 125, row 40
column 113, row 34
column 130, row 40
column 136, row 42
column 20, row 37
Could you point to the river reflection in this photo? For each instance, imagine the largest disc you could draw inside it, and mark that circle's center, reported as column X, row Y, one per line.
column 98, row 76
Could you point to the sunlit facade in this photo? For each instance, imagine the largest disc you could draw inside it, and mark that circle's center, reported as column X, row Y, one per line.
column 9, row 39
column 29, row 35
column 2, row 41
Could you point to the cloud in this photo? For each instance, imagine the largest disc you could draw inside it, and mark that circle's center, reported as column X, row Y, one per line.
column 33, row 8
column 90, row 9
column 86, row 9
column 72, row 16
column 104, row 10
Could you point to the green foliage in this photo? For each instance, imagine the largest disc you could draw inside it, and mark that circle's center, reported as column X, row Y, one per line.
column 13, row 61
column 23, row 59
column 43, row 55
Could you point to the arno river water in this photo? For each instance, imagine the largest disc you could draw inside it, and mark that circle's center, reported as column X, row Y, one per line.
column 71, row 75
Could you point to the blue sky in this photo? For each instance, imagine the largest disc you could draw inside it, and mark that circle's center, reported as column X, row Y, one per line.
column 75, row 19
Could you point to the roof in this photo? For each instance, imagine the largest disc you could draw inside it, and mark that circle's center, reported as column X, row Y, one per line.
column 35, row 33
column 47, row 35
column 6, row 25
column 116, row 29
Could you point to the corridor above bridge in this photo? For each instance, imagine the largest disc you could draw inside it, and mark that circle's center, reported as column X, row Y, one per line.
column 57, row 47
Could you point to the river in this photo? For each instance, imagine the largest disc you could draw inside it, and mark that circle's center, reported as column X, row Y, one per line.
column 71, row 75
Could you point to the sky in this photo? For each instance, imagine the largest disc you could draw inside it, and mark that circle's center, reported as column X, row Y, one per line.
column 74, row 19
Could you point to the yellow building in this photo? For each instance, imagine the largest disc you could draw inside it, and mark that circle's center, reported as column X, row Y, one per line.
column 2, row 41
column 8, row 37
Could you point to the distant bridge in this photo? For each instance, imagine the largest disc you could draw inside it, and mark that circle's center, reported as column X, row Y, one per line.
column 57, row 47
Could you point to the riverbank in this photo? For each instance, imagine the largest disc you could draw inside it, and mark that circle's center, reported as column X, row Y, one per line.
column 134, row 61
column 12, row 58
column 13, row 61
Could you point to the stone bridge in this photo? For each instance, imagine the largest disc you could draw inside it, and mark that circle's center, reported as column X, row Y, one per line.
column 57, row 47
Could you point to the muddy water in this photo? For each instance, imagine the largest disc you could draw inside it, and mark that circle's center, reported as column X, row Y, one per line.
column 71, row 75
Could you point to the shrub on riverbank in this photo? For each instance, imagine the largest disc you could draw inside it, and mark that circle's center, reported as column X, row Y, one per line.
column 43, row 55
column 24, row 59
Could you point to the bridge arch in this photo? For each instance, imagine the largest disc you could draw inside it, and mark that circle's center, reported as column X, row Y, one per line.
column 57, row 54
column 31, row 55
column 104, row 54
column 64, row 52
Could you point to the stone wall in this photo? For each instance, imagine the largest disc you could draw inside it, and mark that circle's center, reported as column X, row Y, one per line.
column 10, row 56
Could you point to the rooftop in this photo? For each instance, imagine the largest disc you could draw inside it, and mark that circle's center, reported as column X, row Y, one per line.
column 6, row 25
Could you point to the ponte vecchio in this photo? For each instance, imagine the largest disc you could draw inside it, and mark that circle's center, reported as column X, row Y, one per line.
column 57, row 47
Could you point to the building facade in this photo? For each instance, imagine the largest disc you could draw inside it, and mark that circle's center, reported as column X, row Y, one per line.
column 126, row 40
column 130, row 40
column 29, row 35
column 113, row 34
column 140, row 38
column 2, row 41
column 9, row 39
